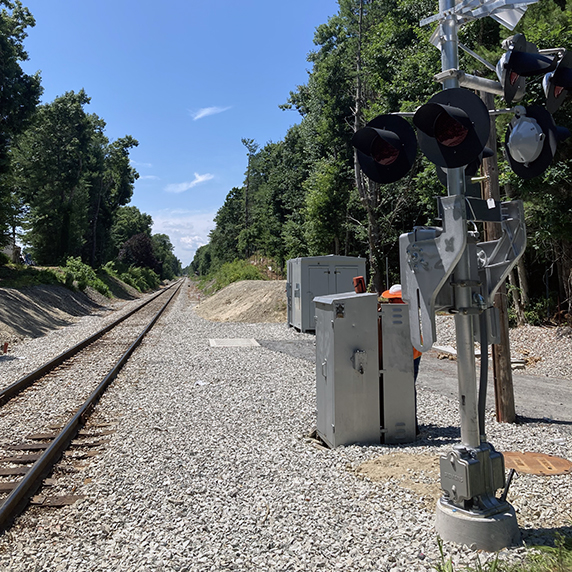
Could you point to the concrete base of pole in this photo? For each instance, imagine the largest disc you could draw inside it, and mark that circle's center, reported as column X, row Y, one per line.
column 488, row 533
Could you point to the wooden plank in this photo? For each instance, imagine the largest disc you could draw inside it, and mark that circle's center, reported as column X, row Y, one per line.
column 28, row 447
column 14, row 471
column 21, row 459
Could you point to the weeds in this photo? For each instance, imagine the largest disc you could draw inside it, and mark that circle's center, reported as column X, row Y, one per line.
column 142, row 279
column 543, row 559
column 19, row 276
column 80, row 275
column 231, row 272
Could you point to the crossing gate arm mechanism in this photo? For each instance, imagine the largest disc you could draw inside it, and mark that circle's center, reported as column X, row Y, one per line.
column 428, row 256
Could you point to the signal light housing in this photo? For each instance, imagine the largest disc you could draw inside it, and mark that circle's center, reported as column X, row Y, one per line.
column 531, row 140
column 453, row 127
column 557, row 83
column 386, row 148
column 520, row 61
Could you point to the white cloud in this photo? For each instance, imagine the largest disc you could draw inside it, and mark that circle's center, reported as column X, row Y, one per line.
column 182, row 187
column 206, row 111
column 148, row 178
column 141, row 165
column 188, row 230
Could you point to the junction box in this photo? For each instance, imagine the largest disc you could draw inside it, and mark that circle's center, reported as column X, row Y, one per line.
column 317, row 276
column 364, row 371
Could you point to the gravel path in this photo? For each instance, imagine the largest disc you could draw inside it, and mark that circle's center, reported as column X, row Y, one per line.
column 211, row 469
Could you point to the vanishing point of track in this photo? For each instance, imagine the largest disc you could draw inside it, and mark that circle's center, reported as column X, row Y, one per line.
column 126, row 334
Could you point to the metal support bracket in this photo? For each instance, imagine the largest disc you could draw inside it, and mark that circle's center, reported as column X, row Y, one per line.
column 498, row 257
column 428, row 256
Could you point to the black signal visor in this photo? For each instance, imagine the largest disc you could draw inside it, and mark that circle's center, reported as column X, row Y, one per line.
column 386, row 148
column 453, row 127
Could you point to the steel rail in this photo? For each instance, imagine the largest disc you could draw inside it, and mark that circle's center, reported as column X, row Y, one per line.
column 18, row 498
column 18, row 386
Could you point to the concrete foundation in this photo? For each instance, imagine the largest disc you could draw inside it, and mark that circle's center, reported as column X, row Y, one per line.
column 488, row 533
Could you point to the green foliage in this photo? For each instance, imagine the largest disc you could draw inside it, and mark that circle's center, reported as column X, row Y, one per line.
column 18, row 276
column 70, row 180
column 231, row 272
column 163, row 251
column 327, row 197
column 19, row 95
column 142, row 279
column 554, row 559
column 542, row 559
column 82, row 275
column 4, row 259
column 127, row 222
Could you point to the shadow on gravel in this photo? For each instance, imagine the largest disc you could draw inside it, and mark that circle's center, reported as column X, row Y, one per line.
column 523, row 420
column 303, row 349
column 434, row 435
column 546, row 536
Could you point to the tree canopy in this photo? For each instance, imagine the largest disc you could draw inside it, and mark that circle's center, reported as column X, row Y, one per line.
column 64, row 185
column 306, row 194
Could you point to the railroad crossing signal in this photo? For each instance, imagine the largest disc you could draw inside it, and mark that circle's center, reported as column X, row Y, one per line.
column 556, row 84
column 453, row 128
column 386, row 148
column 521, row 60
column 531, row 141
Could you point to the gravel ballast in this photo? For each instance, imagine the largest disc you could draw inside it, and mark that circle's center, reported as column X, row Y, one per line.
column 211, row 468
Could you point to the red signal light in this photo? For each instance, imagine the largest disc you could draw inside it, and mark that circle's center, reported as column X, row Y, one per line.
column 449, row 131
column 452, row 127
column 386, row 148
column 383, row 152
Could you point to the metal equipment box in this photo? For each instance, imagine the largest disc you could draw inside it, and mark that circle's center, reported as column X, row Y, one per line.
column 397, row 386
column 347, row 369
column 317, row 276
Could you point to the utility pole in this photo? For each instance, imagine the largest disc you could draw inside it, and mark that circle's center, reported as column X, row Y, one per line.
column 502, row 371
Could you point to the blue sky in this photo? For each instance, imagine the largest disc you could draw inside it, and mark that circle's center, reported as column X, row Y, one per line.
column 188, row 79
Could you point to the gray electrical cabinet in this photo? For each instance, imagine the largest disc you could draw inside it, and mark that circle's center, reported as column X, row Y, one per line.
column 317, row 276
column 365, row 391
column 347, row 369
column 397, row 386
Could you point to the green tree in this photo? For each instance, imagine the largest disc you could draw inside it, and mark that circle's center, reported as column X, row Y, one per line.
column 328, row 189
column 164, row 253
column 201, row 263
column 111, row 180
column 229, row 223
column 138, row 251
column 50, row 161
column 19, row 96
column 127, row 222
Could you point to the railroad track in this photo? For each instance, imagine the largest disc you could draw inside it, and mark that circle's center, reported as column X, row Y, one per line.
column 43, row 413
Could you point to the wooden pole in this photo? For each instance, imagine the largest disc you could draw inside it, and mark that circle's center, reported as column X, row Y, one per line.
column 502, row 371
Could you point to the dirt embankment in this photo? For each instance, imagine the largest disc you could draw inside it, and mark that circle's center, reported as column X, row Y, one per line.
column 34, row 311
column 248, row 301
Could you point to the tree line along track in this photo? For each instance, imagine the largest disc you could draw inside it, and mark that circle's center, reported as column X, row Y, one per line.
column 61, row 394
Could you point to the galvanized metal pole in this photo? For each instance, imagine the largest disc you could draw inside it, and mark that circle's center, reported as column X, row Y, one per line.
column 467, row 377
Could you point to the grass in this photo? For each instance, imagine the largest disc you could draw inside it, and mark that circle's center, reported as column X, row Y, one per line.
column 77, row 276
column 541, row 559
column 19, row 276
column 231, row 272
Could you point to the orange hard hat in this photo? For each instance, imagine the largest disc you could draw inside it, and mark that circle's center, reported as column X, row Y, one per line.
column 393, row 292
